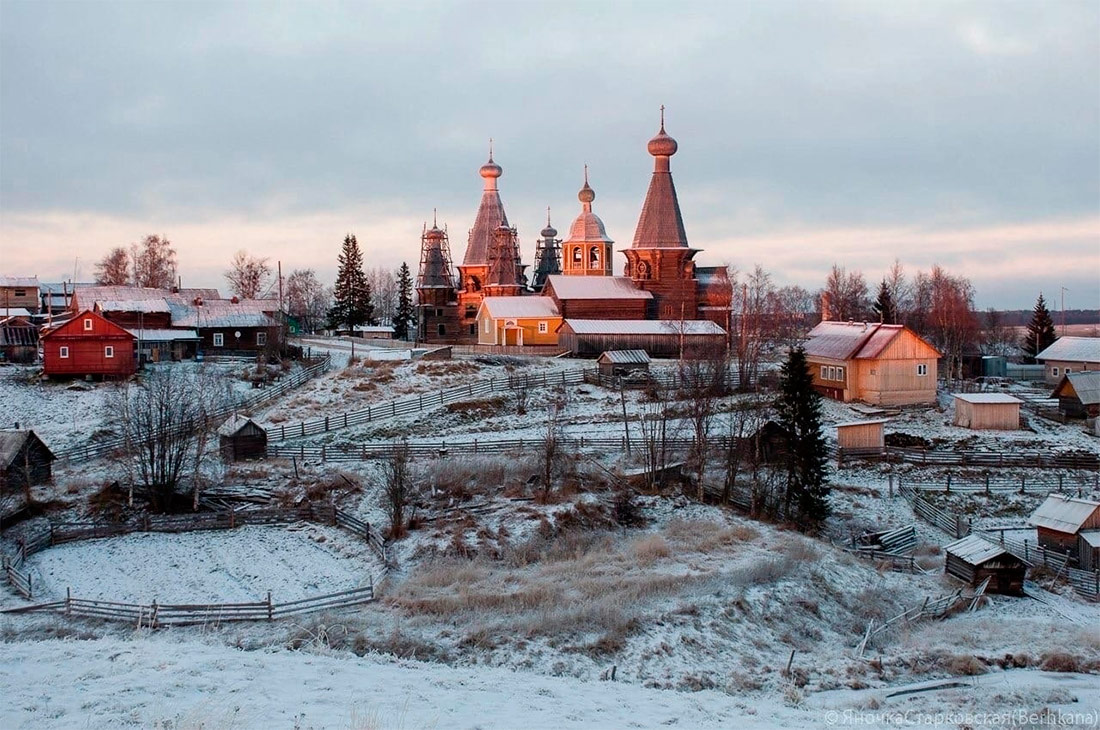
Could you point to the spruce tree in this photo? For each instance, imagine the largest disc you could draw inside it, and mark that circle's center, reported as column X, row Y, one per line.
column 1040, row 331
column 884, row 306
column 405, row 315
column 799, row 411
column 351, row 305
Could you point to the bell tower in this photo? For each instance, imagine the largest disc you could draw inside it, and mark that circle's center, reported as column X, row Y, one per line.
column 587, row 251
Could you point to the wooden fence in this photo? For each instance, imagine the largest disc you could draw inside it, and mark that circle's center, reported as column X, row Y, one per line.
column 104, row 447
column 1017, row 458
column 62, row 532
column 1040, row 485
column 930, row 608
column 422, row 401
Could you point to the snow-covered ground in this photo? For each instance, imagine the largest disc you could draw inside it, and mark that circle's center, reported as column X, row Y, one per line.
column 224, row 566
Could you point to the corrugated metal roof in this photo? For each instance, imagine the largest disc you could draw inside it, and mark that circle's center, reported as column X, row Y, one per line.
column 1086, row 385
column 1063, row 514
column 595, row 287
column 163, row 335
column 853, row 340
column 974, row 550
column 625, row 357
column 643, row 327
column 30, row 282
column 985, row 398
column 1091, row 537
column 504, row 307
column 1073, row 349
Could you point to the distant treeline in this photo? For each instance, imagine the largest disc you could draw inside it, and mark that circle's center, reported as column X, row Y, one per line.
column 1020, row 317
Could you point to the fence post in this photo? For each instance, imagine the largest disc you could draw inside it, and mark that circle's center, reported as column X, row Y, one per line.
column 270, row 610
column 949, row 484
column 322, row 452
column 345, row 419
column 282, row 432
column 1027, row 558
column 1059, row 482
column 1023, row 489
column 153, row 618
column 303, row 429
column 326, row 423
column 987, row 486
column 68, row 601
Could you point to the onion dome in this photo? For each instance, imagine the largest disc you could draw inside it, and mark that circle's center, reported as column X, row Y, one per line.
column 492, row 170
column 587, row 194
column 662, row 145
column 549, row 231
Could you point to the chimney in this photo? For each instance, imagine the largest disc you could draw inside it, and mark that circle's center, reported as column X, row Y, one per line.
column 197, row 301
column 826, row 308
column 235, row 300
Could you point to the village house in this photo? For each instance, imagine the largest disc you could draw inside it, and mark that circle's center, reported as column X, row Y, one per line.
column 518, row 321
column 1069, row 355
column 987, row 411
column 88, row 344
column 1078, row 394
column 1060, row 520
column 973, row 559
column 880, row 364
column 19, row 291
column 24, row 459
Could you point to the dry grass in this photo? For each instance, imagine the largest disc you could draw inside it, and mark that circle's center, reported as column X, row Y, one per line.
column 705, row 536
column 649, row 549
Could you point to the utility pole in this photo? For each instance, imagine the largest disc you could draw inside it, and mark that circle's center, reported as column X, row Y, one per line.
column 1064, row 290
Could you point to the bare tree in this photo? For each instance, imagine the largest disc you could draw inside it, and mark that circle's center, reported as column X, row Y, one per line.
column 656, row 429
column 550, row 457
column 704, row 381
column 739, row 453
column 997, row 337
column 249, row 277
column 954, row 326
column 153, row 262
column 398, row 486
column 114, row 268
column 754, row 324
column 790, row 311
column 384, row 289
column 307, row 300
column 164, row 420
column 847, row 294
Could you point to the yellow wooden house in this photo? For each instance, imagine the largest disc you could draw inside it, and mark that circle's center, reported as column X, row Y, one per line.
column 522, row 320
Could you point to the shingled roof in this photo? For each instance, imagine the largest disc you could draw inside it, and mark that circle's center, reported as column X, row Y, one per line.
column 661, row 225
column 490, row 216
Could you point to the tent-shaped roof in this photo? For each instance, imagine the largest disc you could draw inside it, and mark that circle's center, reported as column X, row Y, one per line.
column 1085, row 385
column 1072, row 349
column 974, row 550
column 1064, row 514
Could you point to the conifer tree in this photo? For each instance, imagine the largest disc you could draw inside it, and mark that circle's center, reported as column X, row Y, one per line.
column 351, row 296
column 1040, row 331
column 799, row 411
column 404, row 316
column 884, row 306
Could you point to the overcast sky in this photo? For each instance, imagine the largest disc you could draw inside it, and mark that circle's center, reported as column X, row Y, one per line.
column 966, row 134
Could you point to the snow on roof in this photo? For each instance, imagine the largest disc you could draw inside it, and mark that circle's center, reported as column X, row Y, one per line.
column 373, row 328
column 643, row 326
column 224, row 313
column 1063, row 514
column 852, row 340
column 974, row 550
column 1091, row 537
column 11, row 442
column 15, row 312
column 863, row 423
column 144, row 306
column 118, row 293
column 235, row 423
column 67, row 287
column 29, row 282
column 230, row 318
column 986, row 398
column 503, row 307
column 595, row 287
column 1072, row 349
column 625, row 357
column 163, row 335
column 1086, row 384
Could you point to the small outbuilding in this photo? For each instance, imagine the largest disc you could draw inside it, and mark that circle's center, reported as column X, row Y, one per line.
column 623, row 362
column 1060, row 520
column 987, row 411
column 973, row 559
column 242, row 439
column 1078, row 394
column 1088, row 549
column 18, row 340
column 24, row 459
column 861, row 434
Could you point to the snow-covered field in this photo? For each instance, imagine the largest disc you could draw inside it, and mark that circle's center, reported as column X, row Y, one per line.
column 225, row 566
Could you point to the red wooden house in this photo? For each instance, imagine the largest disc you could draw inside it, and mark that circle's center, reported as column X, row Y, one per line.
column 88, row 344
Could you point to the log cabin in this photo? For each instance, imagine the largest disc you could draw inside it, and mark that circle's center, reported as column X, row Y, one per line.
column 242, row 439
column 1078, row 394
column 973, row 559
column 1069, row 355
column 19, row 292
column 24, row 459
column 880, row 364
column 518, row 321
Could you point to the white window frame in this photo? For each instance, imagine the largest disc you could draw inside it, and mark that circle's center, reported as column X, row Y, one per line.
column 63, row 352
column 488, row 325
column 824, row 373
column 108, row 351
column 544, row 327
column 219, row 339
column 1054, row 372
column 87, row 324
column 840, row 373
column 1067, row 371
column 261, row 339
column 922, row 369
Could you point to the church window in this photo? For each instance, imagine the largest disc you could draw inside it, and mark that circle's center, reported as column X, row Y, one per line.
column 594, row 256
column 577, row 255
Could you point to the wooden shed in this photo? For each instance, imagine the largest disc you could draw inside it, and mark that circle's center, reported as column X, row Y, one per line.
column 987, row 411
column 18, row 340
column 973, row 559
column 622, row 362
column 24, row 459
column 1059, row 520
column 242, row 439
column 861, row 434
column 1088, row 549
column 1078, row 394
